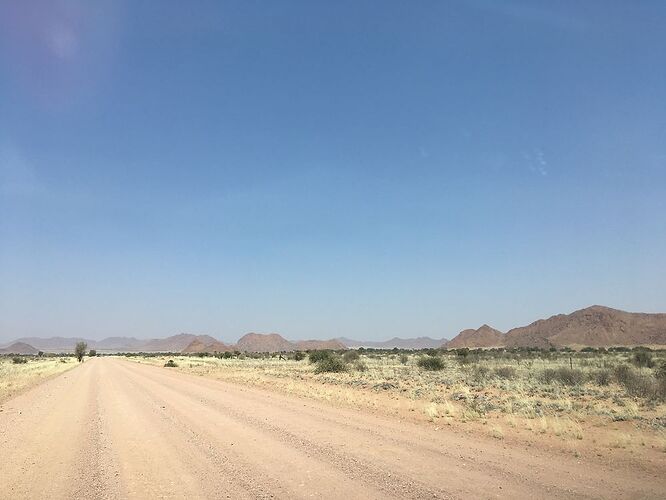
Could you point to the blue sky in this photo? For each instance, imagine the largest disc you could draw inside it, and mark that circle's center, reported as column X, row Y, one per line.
column 321, row 169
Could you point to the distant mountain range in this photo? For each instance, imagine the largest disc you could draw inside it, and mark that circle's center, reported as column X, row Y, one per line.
column 595, row 326
column 184, row 342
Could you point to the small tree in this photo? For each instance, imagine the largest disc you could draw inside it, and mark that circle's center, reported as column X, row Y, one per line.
column 80, row 350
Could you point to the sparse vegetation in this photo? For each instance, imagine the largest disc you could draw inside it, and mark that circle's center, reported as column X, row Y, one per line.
column 317, row 356
column 643, row 359
column 562, row 375
column 551, row 392
column 431, row 363
column 331, row 364
column 15, row 376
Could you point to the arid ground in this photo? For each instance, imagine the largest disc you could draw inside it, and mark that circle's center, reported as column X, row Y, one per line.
column 112, row 428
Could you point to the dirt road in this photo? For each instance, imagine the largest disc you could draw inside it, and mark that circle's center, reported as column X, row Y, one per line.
column 116, row 429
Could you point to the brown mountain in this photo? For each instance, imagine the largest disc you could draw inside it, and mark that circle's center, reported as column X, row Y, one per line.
column 197, row 345
column 593, row 326
column 263, row 342
column 485, row 336
column 313, row 345
column 19, row 348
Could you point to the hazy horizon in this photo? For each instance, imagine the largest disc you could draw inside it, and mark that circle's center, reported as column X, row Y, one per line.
column 355, row 169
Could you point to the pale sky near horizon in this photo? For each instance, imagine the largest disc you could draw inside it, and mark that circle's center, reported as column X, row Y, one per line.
column 355, row 168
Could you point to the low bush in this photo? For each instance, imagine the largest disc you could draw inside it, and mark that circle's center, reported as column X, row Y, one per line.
column 479, row 373
column 432, row 363
column 317, row 356
column 602, row 377
column 331, row 363
column 404, row 359
column 643, row 359
column 18, row 360
column 170, row 364
column 360, row 366
column 562, row 375
column 299, row 356
column 639, row 385
column 505, row 372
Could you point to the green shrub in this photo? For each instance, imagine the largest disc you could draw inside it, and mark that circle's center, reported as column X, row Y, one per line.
column 404, row 359
column 18, row 360
column 432, row 363
column 317, row 356
column 170, row 364
column 331, row 363
column 299, row 356
column 350, row 356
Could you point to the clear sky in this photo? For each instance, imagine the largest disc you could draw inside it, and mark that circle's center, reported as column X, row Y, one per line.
column 318, row 169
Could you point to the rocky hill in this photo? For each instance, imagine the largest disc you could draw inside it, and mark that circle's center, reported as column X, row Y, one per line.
column 19, row 348
column 593, row 326
column 197, row 346
column 485, row 336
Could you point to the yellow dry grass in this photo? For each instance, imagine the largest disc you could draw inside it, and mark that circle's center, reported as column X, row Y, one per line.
column 16, row 378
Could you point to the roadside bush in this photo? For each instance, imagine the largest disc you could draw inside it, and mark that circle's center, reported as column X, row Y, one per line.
column 331, row 363
column 170, row 364
column 431, row 363
column 18, row 360
column 505, row 372
column 643, row 359
column 317, row 356
column 350, row 356
column 562, row 375
column 92, row 353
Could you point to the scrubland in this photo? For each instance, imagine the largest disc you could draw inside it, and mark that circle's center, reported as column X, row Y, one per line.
column 578, row 401
column 18, row 373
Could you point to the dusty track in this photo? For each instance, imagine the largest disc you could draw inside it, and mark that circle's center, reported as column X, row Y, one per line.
column 116, row 429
